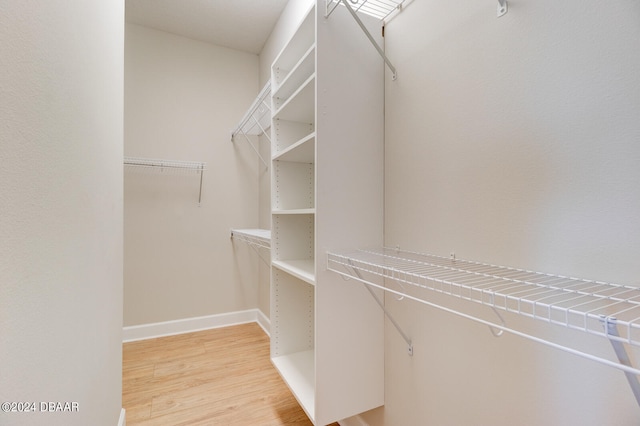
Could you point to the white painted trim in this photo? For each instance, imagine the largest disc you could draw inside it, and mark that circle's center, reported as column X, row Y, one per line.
column 189, row 325
column 122, row 421
column 353, row 421
column 264, row 322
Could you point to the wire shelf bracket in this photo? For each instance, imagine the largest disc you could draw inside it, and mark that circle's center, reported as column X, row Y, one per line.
column 168, row 166
column 387, row 313
column 257, row 120
column 608, row 310
column 377, row 10
column 503, row 8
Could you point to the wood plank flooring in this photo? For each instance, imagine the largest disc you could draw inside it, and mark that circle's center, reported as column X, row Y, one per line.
column 214, row 377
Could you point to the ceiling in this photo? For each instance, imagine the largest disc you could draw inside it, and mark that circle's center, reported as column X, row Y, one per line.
column 238, row 24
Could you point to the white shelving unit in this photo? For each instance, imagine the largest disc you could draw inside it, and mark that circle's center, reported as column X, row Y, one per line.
column 327, row 100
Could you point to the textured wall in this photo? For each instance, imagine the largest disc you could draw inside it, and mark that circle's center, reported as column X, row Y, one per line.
column 182, row 100
column 61, row 120
column 512, row 141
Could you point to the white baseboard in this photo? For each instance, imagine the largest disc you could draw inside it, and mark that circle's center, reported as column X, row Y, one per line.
column 122, row 421
column 189, row 325
column 264, row 322
column 353, row 421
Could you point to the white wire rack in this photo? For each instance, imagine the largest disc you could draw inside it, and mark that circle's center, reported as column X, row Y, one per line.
column 257, row 119
column 260, row 238
column 256, row 239
column 157, row 166
column 381, row 9
column 599, row 308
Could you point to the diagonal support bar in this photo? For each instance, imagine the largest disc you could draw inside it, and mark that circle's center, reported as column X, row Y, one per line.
column 386, row 313
column 370, row 37
column 621, row 353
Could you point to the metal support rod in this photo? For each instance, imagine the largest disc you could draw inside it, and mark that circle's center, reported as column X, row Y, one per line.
column 261, row 128
column 200, row 193
column 623, row 356
column 371, row 39
column 254, row 148
column 386, row 313
column 329, row 12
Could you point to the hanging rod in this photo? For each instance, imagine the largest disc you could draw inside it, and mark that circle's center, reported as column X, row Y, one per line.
column 575, row 303
column 169, row 167
column 363, row 27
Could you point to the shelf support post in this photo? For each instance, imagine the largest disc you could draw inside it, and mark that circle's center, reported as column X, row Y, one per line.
column 611, row 329
column 370, row 37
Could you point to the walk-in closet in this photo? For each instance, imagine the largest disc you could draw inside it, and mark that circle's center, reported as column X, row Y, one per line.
column 323, row 212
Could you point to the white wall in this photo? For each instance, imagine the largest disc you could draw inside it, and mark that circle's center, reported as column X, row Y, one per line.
column 61, row 99
column 182, row 100
column 513, row 141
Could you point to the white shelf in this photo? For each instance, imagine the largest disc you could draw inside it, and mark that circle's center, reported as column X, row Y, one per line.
column 300, row 107
column 301, row 72
column 294, row 211
column 302, row 269
column 295, row 49
column 298, row 371
column 302, row 151
column 255, row 237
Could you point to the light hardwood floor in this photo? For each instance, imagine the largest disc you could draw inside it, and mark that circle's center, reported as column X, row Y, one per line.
column 214, row 377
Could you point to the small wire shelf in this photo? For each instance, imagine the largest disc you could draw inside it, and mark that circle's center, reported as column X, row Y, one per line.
column 256, row 239
column 164, row 166
column 260, row 238
column 168, row 167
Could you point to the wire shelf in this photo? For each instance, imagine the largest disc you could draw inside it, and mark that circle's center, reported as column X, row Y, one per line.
column 257, row 119
column 260, row 238
column 164, row 166
column 381, row 9
column 572, row 302
column 173, row 167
